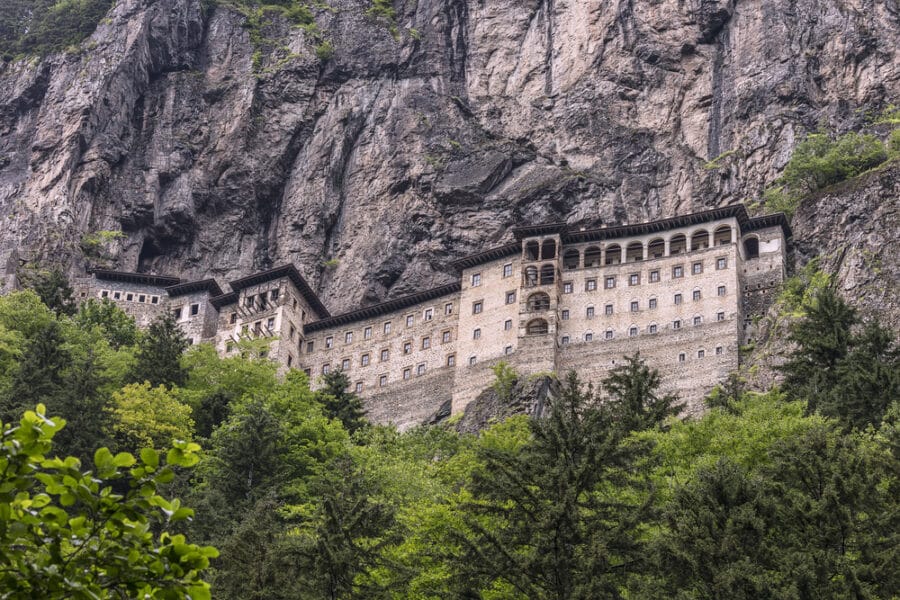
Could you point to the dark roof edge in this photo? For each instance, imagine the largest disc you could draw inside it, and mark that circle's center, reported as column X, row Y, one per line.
column 542, row 229
column 382, row 308
column 224, row 299
column 605, row 233
column 190, row 287
column 778, row 219
column 291, row 272
column 126, row 276
column 486, row 256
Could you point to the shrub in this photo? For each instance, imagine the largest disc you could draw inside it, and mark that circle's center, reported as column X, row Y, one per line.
column 820, row 161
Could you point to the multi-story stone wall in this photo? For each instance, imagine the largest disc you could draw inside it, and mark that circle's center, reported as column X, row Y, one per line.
column 683, row 292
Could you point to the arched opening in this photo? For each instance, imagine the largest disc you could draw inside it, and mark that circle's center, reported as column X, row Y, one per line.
column 634, row 252
column 592, row 256
column 700, row 240
column 531, row 276
column 678, row 244
column 548, row 274
column 537, row 327
column 656, row 248
column 571, row 258
column 538, row 302
column 722, row 236
column 613, row 254
column 532, row 250
column 751, row 248
column 548, row 250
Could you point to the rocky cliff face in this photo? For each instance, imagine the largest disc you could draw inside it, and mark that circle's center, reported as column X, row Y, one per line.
column 216, row 154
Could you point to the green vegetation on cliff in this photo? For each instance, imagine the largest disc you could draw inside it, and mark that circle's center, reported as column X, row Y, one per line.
column 785, row 495
column 43, row 26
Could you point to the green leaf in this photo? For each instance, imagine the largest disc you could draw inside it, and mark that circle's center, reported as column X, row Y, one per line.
column 150, row 457
column 123, row 459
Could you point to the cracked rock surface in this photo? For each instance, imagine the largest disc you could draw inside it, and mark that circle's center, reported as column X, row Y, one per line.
column 392, row 157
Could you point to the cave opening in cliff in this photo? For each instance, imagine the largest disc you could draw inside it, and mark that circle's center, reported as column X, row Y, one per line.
column 150, row 250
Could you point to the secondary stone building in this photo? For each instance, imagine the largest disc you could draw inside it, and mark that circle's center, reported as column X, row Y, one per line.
column 683, row 291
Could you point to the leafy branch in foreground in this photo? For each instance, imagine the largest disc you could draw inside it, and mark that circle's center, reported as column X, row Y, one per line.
column 68, row 533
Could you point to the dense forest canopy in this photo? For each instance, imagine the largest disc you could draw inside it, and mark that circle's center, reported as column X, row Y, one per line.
column 791, row 494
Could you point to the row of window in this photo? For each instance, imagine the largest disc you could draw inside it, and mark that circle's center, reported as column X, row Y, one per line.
column 635, row 305
column 701, row 353
column 193, row 310
column 384, row 354
column 610, row 281
column 129, row 296
column 386, row 327
column 475, row 278
column 652, row 328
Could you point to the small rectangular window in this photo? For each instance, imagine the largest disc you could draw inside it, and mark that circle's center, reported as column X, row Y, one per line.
column 696, row 295
column 652, row 328
column 428, row 314
column 129, row 297
column 654, row 276
column 698, row 320
column 420, row 369
column 407, row 372
column 409, row 320
column 348, row 337
column 677, row 271
column 274, row 294
column 382, row 380
column 507, row 325
column 257, row 327
column 634, row 306
column 426, row 343
column 472, row 360
column 477, row 307
column 345, row 364
column 632, row 331
column 451, row 360
column 507, row 350
column 326, row 368
column 565, row 340
column 195, row 309
column 387, row 327
column 229, row 348
column 720, row 316
column 721, row 263
column 681, row 357
column 270, row 324
column 232, row 318
column 701, row 353
column 610, row 283
column 142, row 298
column 359, row 385
column 407, row 347
column 309, row 347
column 329, row 341
column 385, row 354
column 177, row 313
column 367, row 333
column 608, row 309
column 117, row 295
column 634, row 279
column 476, row 333
column 609, row 334
column 590, row 285
column 445, row 336
column 697, row 268
column 718, row 350
column 154, row 299
column 677, row 299
column 589, row 337
column 651, row 303
column 476, row 279
column 510, row 297
column 248, row 301
column 565, row 314
column 567, row 287
column 589, row 313
column 448, row 308
column 104, row 294
column 721, row 290
column 364, row 360
column 676, row 324
column 507, row 270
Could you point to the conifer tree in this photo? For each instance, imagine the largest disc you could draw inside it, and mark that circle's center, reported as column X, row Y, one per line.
column 54, row 290
column 547, row 520
column 159, row 354
column 634, row 397
column 40, row 377
column 340, row 404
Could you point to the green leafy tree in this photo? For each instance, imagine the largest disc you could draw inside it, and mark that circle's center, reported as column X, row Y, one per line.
column 118, row 328
column 727, row 394
column 633, row 395
column 145, row 417
column 53, row 289
column 40, row 376
column 551, row 518
column 96, row 534
column 341, row 404
column 159, row 354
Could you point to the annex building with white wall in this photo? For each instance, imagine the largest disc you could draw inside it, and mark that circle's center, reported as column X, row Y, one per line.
column 683, row 291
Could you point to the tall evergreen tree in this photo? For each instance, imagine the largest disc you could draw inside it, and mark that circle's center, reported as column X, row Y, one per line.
column 40, row 376
column 159, row 354
column 633, row 395
column 54, row 290
column 341, row 404
column 552, row 518
column 83, row 406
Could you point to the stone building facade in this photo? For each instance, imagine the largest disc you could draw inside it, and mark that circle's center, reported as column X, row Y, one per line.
column 682, row 291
